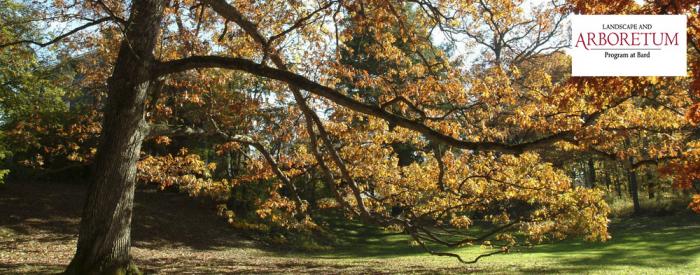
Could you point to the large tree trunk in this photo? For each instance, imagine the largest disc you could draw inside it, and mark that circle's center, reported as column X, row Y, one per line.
column 105, row 239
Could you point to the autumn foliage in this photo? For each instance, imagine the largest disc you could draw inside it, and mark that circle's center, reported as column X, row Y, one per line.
column 421, row 116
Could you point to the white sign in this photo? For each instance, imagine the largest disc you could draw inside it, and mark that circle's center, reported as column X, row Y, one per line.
column 629, row 45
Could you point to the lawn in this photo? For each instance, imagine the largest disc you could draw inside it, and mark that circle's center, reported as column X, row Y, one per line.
column 669, row 245
column 174, row 234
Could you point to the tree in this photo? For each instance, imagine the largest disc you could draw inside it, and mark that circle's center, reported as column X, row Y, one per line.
column 479, row 132
column 31, row 90
column 104, row 240
column 680, row 164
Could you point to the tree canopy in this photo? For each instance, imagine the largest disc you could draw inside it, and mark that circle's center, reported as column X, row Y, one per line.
column 456, row 122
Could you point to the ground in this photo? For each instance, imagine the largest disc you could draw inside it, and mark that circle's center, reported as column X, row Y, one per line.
column 175, row 234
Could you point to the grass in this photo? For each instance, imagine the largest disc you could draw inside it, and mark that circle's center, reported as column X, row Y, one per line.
column 658, row 245
column 174, row 234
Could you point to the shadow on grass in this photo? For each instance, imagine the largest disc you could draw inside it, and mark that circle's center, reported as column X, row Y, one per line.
column 160, row 219
column 357, row 240
column 163, row 219
column 651, row 242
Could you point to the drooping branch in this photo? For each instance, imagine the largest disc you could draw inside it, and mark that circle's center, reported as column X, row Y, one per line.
column 155, row 130
column 326, row 173
column 246, row 65
column 414, row 234
column 246, row 140
column 298, row 82
column 481, row 238
column 231, row 13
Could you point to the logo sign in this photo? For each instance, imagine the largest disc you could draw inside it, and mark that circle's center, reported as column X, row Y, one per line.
column 629, row 45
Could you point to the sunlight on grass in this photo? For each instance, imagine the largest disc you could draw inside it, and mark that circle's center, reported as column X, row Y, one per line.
column 639, row 245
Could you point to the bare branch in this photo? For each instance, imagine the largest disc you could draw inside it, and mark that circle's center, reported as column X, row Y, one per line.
column 300, row 22
column 60, row 37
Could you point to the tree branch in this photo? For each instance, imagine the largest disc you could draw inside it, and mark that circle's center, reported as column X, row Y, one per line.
column 60, row 37
column 245, row 65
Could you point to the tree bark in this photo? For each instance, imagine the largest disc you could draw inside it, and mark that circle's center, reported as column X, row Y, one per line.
column 229, row 165
column 591, row 173
column 105, row 229
column 618, row 182
column 650, row 184
column 634, row 189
